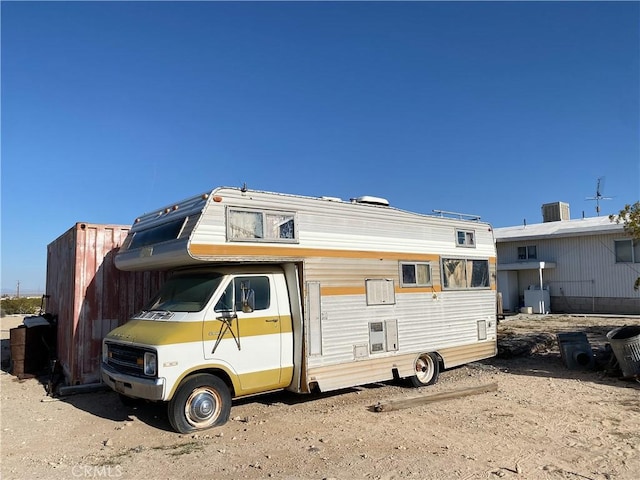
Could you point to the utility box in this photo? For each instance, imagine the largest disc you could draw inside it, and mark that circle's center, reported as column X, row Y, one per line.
column 538, row 300
column 90, row 296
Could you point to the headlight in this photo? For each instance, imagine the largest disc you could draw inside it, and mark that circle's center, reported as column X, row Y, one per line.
column 150, row 364
column 105, row 352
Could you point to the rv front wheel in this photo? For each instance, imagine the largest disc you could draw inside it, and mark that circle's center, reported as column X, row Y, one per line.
column 201, row 401
column 427, row 370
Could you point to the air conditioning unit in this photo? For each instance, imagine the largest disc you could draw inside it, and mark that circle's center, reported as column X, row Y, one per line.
column 369, row 200
column 555, row 212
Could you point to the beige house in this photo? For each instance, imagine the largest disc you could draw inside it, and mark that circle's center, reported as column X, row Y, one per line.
column 588, row 265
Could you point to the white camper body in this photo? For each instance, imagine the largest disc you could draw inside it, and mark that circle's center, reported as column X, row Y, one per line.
column 302, row 293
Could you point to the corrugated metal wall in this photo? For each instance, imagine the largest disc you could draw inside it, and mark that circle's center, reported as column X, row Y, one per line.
column 585, row 266
column 90, row 296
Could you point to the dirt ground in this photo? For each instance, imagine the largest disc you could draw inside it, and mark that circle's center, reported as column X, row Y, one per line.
column 544, row 421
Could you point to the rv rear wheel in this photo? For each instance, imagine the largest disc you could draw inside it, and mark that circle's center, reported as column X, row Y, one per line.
column 427, row 370
column 201, row 401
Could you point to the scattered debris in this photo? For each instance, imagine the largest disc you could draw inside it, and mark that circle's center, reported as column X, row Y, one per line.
column 575, row 350
column 512, row 345
column 410, row 402
column 625, row 342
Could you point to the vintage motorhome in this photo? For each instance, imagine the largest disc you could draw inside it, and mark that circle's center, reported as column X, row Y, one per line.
column 275, row 291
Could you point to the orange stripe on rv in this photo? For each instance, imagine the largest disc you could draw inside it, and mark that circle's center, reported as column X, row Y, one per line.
column 362, row 290
column 271, row 251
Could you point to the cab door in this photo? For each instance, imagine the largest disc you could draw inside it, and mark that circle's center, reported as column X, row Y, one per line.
column 246, row 333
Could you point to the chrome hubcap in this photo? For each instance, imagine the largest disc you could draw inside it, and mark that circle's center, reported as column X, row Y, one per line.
column 202, row 407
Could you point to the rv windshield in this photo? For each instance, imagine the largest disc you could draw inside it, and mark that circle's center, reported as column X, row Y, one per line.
column 185, row 292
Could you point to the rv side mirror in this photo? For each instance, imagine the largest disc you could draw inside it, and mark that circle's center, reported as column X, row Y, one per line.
column 248, row 297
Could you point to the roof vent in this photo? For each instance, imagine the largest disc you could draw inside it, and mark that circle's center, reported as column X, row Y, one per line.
column 555, row 212
column 369, row 200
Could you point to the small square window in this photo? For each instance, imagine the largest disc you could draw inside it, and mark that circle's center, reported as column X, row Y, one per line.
column 415, row 274
column 527, row 253
column 627, row 251
column 466, row 238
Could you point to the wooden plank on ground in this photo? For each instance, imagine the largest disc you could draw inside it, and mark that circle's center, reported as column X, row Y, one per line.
column 412, row 402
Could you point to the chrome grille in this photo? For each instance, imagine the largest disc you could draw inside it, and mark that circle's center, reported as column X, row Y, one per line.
column 125, row 359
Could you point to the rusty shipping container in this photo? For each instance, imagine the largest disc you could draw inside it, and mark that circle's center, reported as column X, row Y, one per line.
column 90, row 296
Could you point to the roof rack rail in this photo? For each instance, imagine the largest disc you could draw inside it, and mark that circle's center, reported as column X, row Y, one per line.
column 461, row 216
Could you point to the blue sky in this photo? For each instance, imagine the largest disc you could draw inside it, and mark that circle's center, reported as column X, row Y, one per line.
column 112, row 109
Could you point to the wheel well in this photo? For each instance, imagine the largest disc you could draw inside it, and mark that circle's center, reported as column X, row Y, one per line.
column 221, row 374
column 440, row 360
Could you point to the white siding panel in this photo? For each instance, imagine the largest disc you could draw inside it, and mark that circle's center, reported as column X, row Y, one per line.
column 344, row 226
column 448, row 321
column 585, row 266
column 212, row 226
column 349, row 271
column 344, row 325
column 424, row 323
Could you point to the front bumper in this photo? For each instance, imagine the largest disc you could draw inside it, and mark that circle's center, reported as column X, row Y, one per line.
column 147, row 388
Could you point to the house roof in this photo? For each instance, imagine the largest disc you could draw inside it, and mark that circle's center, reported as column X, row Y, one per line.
column 563, row 228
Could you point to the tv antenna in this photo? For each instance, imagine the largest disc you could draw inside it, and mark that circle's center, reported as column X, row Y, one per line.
column 599, row 196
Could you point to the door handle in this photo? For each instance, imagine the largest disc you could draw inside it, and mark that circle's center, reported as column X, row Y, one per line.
column 273, row 320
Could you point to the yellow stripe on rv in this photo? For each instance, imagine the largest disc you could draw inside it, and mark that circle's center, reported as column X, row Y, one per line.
column 152, row 332
column 247, row 379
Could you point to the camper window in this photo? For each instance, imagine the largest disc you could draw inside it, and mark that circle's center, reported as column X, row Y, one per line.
column 465, row 273
column 158, row 234
column 260, row 225
column 415, row 274
column 466, row 238
column 245, row 225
